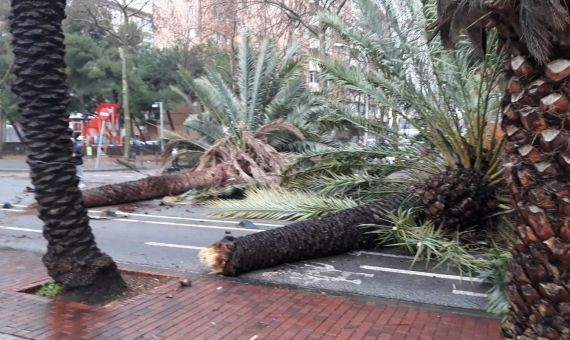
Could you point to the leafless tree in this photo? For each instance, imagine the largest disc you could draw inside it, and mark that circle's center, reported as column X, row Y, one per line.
column 126, row 24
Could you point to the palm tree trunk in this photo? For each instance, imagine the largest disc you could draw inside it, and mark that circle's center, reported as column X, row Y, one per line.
column 535, row 116
column 333, row 234
column 73, row 258
column 156, row 186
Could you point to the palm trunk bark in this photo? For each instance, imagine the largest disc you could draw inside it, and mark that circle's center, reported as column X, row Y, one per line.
column 72, row 258
column 156, row 186
column 538, row 167
column 334, row 234
column 464, row 192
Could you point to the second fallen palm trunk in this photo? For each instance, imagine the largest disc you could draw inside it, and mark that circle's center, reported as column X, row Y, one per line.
column 156, row 186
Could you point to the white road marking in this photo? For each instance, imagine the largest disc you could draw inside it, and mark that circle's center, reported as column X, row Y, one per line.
column 468, row 293
column 21, row 229
column 170, row 245
column 188, row 218
column 311, row 273
column 13, row 210
column 358, row 253
column 186, row 225
column 169, row 217
column 413, row 272
column 122, row 176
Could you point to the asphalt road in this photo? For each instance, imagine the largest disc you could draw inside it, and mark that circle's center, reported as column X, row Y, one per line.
column 170, row 237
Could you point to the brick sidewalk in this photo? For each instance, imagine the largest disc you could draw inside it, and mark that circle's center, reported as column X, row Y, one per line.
column 214, row 309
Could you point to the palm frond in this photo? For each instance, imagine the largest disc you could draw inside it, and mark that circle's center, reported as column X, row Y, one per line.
column 498, row 263
column 281, row 104
column 279, row 204
column 426, row 242
column 245, row 66
column 444, row 94
column 211, row 132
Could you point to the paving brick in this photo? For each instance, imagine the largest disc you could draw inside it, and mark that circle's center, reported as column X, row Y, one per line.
column 236, row 311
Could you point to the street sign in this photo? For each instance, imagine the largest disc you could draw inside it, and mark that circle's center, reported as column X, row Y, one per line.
column 105, row 113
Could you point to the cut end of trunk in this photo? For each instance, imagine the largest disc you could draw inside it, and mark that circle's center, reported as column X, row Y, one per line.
column 212, row 258
column 218, row 257
column 558, row 70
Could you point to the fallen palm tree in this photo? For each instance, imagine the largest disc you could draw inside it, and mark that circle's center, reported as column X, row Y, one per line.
column 158, row 186
column 334, row 234
column 465, row 189
column 239, row 135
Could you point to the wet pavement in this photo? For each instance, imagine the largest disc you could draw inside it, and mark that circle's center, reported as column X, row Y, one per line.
column 156, row 236
column 214, row 309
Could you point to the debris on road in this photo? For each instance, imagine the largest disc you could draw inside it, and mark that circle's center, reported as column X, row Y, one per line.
column 247, row 224
column 185, row 283
column 7, row 205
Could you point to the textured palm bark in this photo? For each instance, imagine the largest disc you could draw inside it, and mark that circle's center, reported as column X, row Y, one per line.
column 157, row 186
column 537, row 121
column 333, row 234
column 72, row 257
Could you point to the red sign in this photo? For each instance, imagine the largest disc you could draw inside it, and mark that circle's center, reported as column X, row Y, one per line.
column 104, row 111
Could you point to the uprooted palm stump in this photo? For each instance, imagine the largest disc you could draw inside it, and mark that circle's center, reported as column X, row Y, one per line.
column 157, row 186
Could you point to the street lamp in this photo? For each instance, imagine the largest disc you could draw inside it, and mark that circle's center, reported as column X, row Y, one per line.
column 161, row 109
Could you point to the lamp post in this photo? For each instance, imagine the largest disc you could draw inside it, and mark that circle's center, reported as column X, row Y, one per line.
column 161, row 110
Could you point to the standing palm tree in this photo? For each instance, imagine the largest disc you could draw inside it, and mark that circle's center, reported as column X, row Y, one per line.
column 73, row 258
column 536, row 118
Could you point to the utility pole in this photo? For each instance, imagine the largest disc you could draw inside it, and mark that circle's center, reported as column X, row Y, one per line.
column 2, row 132
column 160, row 106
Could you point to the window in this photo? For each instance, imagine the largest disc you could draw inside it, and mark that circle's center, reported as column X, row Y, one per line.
column 313, row 76
column 220, row 38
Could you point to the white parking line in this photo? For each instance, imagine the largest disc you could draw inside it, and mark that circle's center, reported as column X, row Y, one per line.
column 468, row 293
column 170, row 245
column 188, row 218
column 13, row 210
column 201, row 226
column 358, row 253
column 168, row 217
column 413, row 272
column 21, row 229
